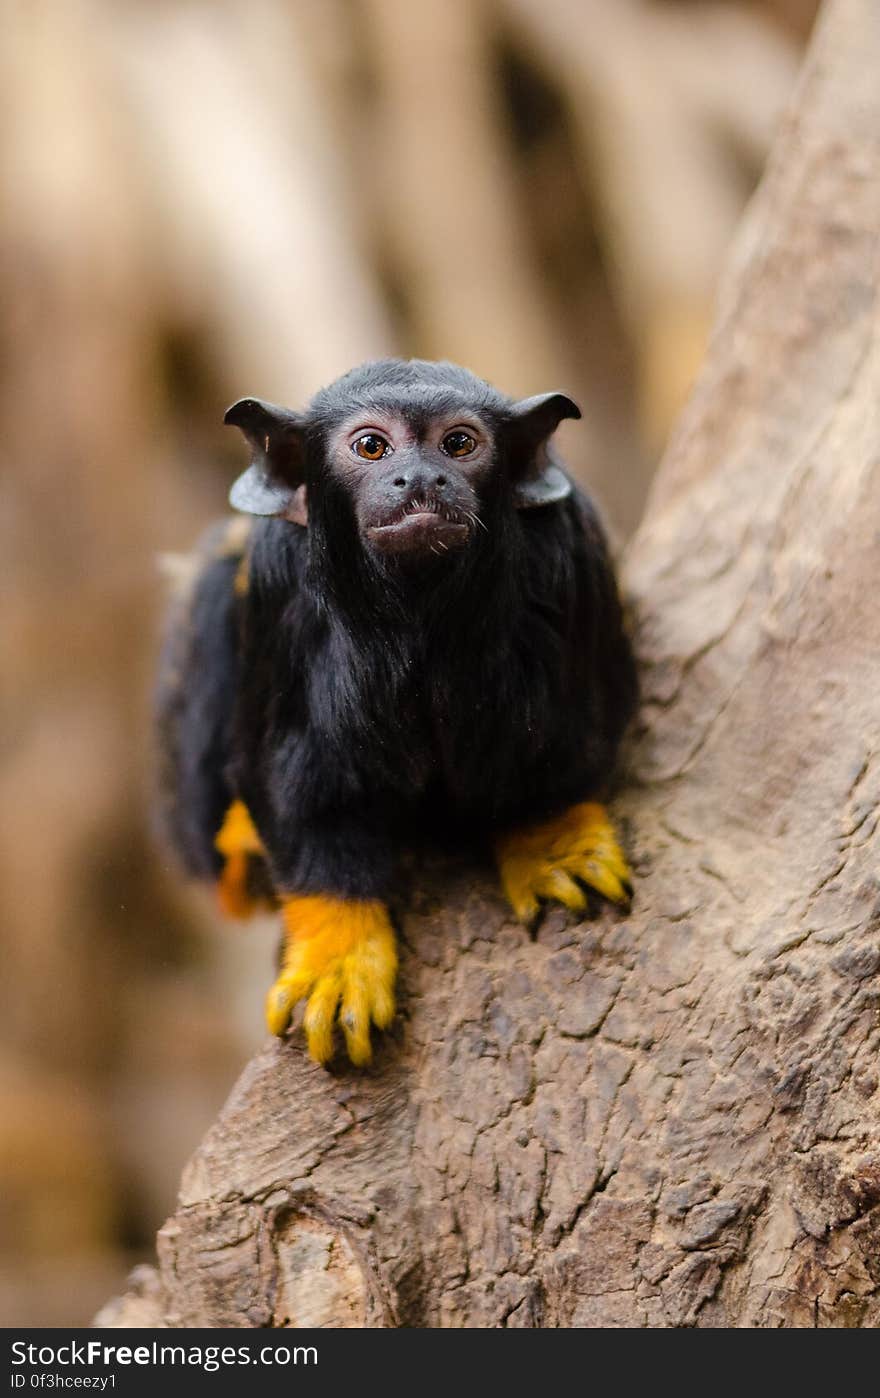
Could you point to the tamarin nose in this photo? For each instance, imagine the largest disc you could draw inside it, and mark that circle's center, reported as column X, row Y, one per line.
column 418, row 480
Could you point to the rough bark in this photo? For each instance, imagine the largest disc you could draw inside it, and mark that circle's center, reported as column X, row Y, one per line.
column 667, row 1119
column 661, row 124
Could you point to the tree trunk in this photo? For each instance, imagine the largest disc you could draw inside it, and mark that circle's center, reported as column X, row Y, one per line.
column 670, row 1118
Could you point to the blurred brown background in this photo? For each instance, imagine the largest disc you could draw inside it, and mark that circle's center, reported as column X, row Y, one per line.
column 204, row 198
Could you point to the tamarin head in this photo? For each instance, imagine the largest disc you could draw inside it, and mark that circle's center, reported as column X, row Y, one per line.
column 411, row 456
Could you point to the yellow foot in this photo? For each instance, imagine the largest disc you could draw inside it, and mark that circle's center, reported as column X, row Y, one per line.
column 556, row 858
column 241, row 847
column 340, row 954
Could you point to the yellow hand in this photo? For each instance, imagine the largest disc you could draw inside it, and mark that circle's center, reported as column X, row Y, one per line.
column 553, row 860
column 340, row 953
column 240, row 845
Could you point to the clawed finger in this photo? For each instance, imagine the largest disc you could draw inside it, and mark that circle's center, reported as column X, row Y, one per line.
column 320, row 1016
column 603, row 878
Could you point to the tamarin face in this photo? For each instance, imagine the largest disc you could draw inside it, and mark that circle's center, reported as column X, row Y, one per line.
column 414, row 473
column 420, row 451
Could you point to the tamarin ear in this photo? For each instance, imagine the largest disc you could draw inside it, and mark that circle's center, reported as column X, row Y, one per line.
column 537, row 479
column 273, row 483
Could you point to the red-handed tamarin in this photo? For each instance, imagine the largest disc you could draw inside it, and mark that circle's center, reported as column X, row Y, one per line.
column 417, row 634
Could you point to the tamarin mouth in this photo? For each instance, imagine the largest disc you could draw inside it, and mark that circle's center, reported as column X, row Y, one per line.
column 420, row 525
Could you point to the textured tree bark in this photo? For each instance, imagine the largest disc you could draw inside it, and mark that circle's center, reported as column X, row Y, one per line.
column 671, row 1118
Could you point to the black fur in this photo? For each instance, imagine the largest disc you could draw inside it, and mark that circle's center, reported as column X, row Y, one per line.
column 198, row 682
column 354, row 701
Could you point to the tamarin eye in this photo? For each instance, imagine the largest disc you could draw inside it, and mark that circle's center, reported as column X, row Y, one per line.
column 458, row 444
column 372, row 447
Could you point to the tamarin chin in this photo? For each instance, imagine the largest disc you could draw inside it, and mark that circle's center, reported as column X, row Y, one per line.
column 416, row 631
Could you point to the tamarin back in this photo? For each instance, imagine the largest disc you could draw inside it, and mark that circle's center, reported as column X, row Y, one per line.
column 198, row 683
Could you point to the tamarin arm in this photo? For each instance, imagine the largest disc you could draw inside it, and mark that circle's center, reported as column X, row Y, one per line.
column 339, row 953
